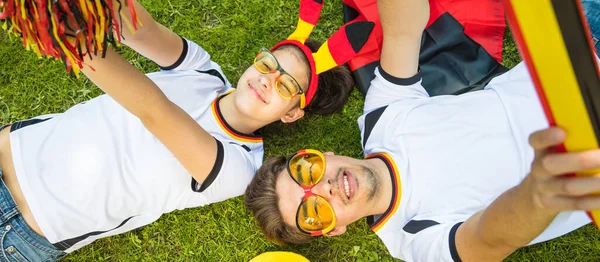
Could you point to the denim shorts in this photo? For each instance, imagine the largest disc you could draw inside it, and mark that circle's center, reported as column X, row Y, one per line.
column 592, row 12
column 19, row 242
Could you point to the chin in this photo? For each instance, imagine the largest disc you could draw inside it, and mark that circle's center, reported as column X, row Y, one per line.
column 251, row 108
column 246, row 105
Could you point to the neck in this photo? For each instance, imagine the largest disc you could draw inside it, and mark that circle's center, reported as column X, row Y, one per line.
column 384, row 198
column 235, row 118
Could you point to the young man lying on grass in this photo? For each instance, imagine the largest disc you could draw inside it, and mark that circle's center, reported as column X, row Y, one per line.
column 175, row 139
column 445, row 178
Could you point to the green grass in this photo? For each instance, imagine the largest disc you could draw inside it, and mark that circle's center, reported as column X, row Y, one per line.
column 232, row 31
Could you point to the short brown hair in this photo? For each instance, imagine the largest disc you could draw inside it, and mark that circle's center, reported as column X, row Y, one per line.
column 334, row 88
column 261, row 198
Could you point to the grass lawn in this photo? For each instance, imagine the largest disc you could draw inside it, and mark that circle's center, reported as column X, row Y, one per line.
column 232, row 32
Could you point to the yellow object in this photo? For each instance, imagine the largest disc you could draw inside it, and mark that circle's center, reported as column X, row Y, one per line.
column 279, row 256
column 552, row 40
column 323, row 59
column 302, row 32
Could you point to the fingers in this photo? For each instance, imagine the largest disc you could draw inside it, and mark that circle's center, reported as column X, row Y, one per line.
column 560, row 163
column 565, row 163
column 570, row 193
column 549, row 188
column 546, row 138
column 572, row 203
column 573, row 186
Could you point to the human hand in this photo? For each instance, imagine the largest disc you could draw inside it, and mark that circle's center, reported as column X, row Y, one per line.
column 548, row 186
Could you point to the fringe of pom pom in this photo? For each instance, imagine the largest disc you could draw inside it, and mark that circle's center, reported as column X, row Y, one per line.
column 45, row 25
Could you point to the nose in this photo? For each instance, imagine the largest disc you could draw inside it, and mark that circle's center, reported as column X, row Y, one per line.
column 325, row 189
column 268, row 80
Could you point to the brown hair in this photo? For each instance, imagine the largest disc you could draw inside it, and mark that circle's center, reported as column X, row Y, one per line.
column 334, row 88
column 262, row 199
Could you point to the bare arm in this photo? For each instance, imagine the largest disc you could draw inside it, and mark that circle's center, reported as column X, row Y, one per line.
column 403, row 22
column 152, row 40
column 525, row 211
column 195, row 149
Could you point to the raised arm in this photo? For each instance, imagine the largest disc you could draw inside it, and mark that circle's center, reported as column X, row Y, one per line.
column 195, row 149
column 403, row 22
column 152, row 40
column 522, row 213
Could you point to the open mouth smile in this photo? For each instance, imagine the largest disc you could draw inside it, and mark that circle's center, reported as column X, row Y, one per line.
column 347, row 185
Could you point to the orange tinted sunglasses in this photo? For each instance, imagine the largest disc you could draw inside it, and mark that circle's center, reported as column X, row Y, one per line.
column 286, row 85
column 315, row 216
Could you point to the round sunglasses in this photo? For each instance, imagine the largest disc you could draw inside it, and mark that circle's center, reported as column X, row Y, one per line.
column 315, row 215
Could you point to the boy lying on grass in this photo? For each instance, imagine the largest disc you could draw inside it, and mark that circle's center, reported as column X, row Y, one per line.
column 179, row 138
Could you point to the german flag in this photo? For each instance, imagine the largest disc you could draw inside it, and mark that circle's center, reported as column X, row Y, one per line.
column 461, row 49
column 555, row 42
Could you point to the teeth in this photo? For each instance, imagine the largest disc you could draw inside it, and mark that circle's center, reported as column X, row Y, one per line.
column 346, row 186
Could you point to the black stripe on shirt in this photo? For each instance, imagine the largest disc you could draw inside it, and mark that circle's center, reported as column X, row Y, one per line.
column 416, row 226
column 199, row 188
column 452, row 242
column 25, row 123
column 66, row 244
column 245, row 147
column 370, row 121
column 213, row 72
column 400, row 81
column 181, row 57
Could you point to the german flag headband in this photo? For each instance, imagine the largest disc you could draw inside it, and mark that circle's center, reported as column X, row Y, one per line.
column 342, row 46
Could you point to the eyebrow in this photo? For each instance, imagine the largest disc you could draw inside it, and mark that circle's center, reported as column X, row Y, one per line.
column 302, row 59
column 295, row 78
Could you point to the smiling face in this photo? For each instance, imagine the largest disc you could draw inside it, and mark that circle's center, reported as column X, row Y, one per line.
column 257, row 97
column 349, row 185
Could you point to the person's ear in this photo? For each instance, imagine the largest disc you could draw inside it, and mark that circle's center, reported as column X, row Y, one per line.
column 336, row 231
column 292, row 115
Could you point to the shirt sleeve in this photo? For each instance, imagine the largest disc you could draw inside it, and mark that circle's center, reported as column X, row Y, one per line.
column 435, row 243
column 193, row 57
column 386, row 89
column 232, row 172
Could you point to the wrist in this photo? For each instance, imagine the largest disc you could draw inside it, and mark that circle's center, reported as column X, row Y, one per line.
column 531, row 196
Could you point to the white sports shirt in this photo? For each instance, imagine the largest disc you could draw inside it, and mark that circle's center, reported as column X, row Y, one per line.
column 450, row 157
column 95, row 171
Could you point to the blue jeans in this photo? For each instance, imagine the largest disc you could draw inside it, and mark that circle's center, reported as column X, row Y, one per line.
column 18, row 241
column 592, row 12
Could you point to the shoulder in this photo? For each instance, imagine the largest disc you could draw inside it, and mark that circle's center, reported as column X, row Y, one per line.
column 367, row 123
column 233, row 170
column 194, row 57
column 386, row 89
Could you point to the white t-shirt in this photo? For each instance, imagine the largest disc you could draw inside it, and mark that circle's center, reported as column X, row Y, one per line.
column 95, row 171
column 452, row 156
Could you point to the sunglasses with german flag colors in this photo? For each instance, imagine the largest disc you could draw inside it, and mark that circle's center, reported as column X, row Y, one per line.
column 286, row 85
column 315, row 215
